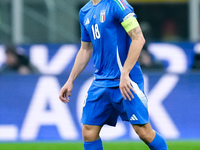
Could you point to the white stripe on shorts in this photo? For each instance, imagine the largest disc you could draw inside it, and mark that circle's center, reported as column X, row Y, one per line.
column 139, row 93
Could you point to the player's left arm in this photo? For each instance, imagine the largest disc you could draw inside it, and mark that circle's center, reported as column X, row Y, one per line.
column 134, row 31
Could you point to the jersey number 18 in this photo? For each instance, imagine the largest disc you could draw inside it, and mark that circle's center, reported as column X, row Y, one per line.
column 95, row 31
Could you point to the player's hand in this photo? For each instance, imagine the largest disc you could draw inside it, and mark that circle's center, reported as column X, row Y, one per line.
column 125, row 87
column 65, row 92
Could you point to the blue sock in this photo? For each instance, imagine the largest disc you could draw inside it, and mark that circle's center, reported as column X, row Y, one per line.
column 158, row 143
column 94, row 145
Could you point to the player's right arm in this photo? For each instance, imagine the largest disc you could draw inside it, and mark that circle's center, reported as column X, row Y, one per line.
column 81, row 62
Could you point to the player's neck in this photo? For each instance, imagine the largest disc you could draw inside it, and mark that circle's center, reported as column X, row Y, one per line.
column 95, row 2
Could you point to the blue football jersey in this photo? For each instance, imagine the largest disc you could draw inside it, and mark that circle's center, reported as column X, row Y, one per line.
column 101, row 25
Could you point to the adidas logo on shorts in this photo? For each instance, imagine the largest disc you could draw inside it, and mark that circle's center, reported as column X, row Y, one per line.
column 133, row 118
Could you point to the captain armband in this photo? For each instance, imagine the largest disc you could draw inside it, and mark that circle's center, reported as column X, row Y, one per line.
column 130, row 24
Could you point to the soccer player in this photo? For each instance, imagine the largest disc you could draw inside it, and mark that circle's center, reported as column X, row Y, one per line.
column 111, row 34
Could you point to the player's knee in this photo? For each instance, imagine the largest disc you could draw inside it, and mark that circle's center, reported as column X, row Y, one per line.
column 89, row 133
column 144, row 135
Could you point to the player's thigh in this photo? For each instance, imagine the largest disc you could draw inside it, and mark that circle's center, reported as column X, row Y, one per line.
column 98, row 109
column 134, row 111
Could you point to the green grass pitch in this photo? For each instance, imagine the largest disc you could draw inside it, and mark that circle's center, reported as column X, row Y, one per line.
column 172, row 145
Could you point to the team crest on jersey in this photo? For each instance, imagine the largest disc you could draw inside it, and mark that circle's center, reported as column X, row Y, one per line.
column 103, row 16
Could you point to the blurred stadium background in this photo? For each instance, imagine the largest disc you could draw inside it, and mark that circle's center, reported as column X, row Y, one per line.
column 39, row 41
